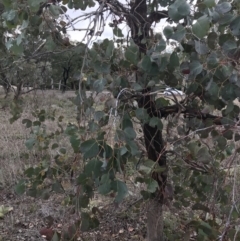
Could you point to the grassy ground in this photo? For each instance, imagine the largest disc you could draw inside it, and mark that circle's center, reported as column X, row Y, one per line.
column 25, row 216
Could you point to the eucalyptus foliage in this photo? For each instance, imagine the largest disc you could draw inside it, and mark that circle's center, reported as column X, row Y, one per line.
column 197, row 52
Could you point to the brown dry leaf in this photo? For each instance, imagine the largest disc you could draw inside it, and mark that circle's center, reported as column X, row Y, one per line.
column 130, row 229
column 121, row 230
column 47, row 233
column 30, row 225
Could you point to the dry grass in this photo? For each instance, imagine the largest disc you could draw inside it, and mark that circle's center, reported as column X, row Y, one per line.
column 13, row 136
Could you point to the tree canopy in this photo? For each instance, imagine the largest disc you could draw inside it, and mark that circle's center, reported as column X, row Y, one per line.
column 188, row 144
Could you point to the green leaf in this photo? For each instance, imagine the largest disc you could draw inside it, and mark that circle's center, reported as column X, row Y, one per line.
column 195, row 68
column 201, row 27
column 133, row 147
column 212, row 61
column 85, row 220
column 168, row 32
column 179, row 33
column 207, row 229
column 75, row 143
column 82, row 179
column 155, row 121
column 131, row 54
column 33, row 192
column 63, row 150
column 193, row 147
column 146, row 63
column 10, row 15
column 178, row 10
column 209, row 3
column 235, row 26
column 225, row 37
column 89, row 148
column 64, row 9
column 50, row 44
column 29, row 172
column 162, row 102
column 229, row 45
column 171, row 80
column 91, row 3
column 55, row 237
column 212, row 40
column 151, row 83
column 93, row 168
column 203, row 154
column 121, row 189
column 228, row 92
column 147, row 167
column 152, row 185
column 229, row 108
column 20, row 187
column 160, row 46
column 55, row 10
column 27, row 122
column 142, row 114
column 83, row 201
column 163, row 62
column 173, row 61
column 99, row 85
column 101, row 67
column 221, row 142
column 118, row 32
column 7, row 3
column 146, row 195
column 223, row 72
column 110, row 49
column 69, row 4
column 106, row 150
column 237, row 137
column 233, row 78
column 223, row 7
column 16, row 49
column 130, row 133
column 165, row 3
column 57, row 187
column 228, row 134
column 213, row 90
column 30, row 143
column 34, row 4
column 54, row 146
column 226, row 19
column 105, row 186
column 201, row 47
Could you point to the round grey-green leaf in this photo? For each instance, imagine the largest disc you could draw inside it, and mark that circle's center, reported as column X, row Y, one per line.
column 201, row 27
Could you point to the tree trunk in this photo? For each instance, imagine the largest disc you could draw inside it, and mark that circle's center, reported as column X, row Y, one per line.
column 155, row 220
column 155, row 149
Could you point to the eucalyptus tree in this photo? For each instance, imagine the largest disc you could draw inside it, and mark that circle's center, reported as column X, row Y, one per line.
column 190, row 142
